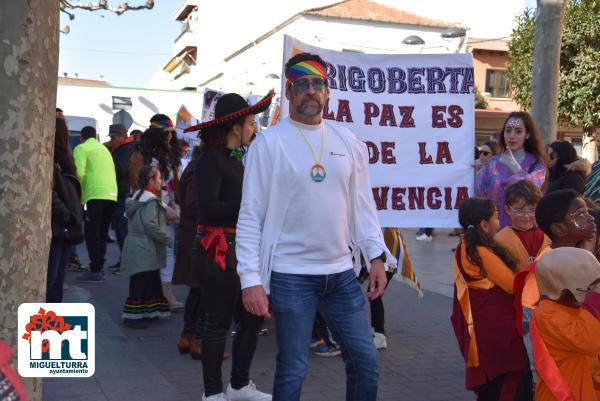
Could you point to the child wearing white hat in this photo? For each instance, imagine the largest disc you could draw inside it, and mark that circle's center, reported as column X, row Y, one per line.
column 565, row 328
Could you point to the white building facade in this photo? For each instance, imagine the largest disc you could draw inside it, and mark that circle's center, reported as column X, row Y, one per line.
column 253, row 64
column 105, row 105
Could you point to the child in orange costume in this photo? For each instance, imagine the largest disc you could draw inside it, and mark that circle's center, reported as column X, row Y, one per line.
column 483, row 316
column 563, row 216
column 565, row 328
column 523, row 238
column 525, row 241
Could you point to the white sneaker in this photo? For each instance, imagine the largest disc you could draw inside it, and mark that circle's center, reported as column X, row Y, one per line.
column 215, row 397
column 379, row 340
column 248, row 393
column 424, row 237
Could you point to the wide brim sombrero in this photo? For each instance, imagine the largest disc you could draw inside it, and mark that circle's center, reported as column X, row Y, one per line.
column 231, row 107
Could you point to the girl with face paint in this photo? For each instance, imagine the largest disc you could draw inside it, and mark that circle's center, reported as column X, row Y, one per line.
column 563, row 216
column 522, row 157
column 593, row 244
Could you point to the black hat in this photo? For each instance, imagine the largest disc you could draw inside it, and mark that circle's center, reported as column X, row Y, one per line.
column 117, row 129
column 231, row 107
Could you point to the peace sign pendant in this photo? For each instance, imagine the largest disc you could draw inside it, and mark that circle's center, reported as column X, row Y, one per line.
column 317, row 172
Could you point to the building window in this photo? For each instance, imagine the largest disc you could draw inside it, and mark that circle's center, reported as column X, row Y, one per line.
column 496, row 83
column 121, row 103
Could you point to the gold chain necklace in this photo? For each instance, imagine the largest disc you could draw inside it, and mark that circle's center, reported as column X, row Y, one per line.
column 317, row 171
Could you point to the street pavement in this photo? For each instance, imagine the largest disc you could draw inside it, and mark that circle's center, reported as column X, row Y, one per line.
column 421, row 363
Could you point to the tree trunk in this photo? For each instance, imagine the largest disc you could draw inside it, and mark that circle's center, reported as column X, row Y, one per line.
column 546, row 65
column 28, row 71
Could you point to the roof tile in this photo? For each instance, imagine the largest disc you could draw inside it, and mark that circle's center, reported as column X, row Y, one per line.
column 81, row 81
column 367, row 10
column 499, row 45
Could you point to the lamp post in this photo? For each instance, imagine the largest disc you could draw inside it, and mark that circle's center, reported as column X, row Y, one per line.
column 448, row 34
column 414, row 40
column 273, row 81
column 454, row 33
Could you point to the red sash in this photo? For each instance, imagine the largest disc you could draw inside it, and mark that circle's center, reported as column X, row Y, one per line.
column 215, row 243
column 518, row 286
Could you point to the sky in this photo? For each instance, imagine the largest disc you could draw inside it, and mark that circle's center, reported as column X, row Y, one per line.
column 127, row 50
column 124, row 50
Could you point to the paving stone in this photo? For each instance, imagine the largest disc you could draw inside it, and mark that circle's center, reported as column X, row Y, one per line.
column 422, row 362
column 90, row 397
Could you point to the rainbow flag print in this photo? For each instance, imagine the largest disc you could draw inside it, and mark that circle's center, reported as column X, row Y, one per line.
column 397, row 247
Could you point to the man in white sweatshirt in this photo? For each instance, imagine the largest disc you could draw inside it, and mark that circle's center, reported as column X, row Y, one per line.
column 306, row 205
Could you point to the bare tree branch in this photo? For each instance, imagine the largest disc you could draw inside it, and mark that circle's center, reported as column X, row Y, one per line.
column 71, row 15
column 103, row 5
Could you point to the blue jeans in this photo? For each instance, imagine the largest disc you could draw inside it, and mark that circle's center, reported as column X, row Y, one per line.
column 295, row 299
column 57, row 265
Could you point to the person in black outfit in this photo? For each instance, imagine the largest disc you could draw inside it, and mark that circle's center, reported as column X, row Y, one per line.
column 567, row 170
column 219, row 174
column 121, row 153
column 67, row 216
column 190, row 340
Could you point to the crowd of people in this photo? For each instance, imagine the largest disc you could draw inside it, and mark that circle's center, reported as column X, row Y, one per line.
column 527, row 278
column 282, row 227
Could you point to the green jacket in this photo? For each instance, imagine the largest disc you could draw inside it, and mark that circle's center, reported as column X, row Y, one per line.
column 96, row 171
column 145, row 247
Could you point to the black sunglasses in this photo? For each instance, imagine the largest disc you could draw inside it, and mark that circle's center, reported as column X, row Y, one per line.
column 302, row 85
column 484, row 152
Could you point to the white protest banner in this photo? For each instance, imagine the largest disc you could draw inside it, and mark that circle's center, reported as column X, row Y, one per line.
column 416, row 114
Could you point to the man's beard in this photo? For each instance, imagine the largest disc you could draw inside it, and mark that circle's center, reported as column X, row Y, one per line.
column 309, row 110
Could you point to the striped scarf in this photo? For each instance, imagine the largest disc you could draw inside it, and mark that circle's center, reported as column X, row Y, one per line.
column 397, row 247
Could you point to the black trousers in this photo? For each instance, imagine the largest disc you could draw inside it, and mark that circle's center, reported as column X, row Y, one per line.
column 221, row 297
column 98, row 215
column 427, row 231
column 120, row 223
column 193, row 314
column 519, row 387
column 377, row 309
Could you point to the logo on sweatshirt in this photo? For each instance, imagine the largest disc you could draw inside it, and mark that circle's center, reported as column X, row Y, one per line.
column 56, row 340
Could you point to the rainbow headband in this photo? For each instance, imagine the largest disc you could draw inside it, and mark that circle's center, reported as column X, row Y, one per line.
column 303, row 68
column 162, row 124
